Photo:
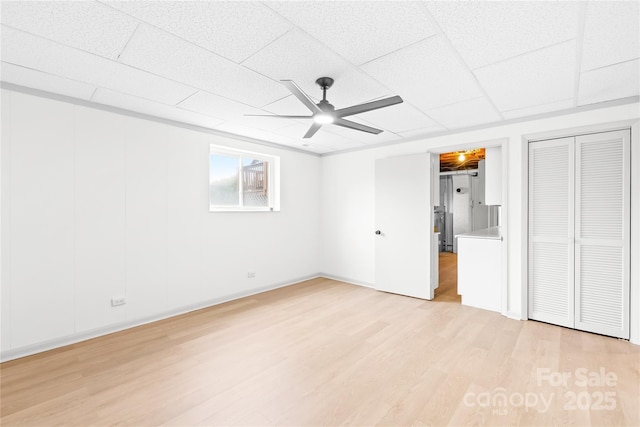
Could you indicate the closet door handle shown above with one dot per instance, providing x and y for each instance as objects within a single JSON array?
[{"x": 378, "y": 232}]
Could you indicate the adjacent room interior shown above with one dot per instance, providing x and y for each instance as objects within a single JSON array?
[{"x": 320, "y": 213}]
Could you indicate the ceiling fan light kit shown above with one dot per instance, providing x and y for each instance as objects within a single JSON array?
[
  {"x": 323, "y": 119},
  {"x": 325, "y": 113}
]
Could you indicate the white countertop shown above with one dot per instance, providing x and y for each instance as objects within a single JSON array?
[{"x": 486, "y": 233}]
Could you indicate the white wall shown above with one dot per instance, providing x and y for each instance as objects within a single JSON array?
[
  {"x": 348, "y": 217},
  {"x": 97, "y": 204}
]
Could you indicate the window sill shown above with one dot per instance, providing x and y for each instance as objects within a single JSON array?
[{"x": 236, "y": 209}]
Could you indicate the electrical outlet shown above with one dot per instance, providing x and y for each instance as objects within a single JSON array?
[
  {"x": 251, "y": 274},
  {"x": 118, "y": 301}
]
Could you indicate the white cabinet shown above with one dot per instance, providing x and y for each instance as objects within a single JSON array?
[
  {"x": 493, "y": 176},
  {"x": 480, "y": 268},
  {"x": 579, "y": 232}
]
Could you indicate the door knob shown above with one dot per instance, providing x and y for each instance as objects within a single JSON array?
[{"x": 378, "y": 232}]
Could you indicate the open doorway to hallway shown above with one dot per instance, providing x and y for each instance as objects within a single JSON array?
[{"x": 460, "y": 209}]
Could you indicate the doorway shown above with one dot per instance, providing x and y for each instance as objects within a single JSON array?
[
  {"x": 406, "y": 249},
  {"x": 461, "y": 210}
]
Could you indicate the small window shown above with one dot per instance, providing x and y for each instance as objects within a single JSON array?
[{"x": 243, "y": 181}]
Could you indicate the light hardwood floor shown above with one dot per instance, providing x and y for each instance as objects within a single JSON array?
[
  {"x": 447, "y": 278},
  {"x": 325, "y": 353}
]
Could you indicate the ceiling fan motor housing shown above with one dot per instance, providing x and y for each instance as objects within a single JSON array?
[
  {"x": 325, "y": 106},
  {"x": 325, "y": 82}
]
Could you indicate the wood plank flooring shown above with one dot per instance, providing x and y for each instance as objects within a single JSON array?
[
  {"x": 447, "y": 289},
  {"x": 328, "y": 353}
]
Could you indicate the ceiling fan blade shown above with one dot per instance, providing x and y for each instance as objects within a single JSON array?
[
  {"x": 368, "y": 106},
  {"x": 303, "y": 97},
  {"x": 312, "y": 130},
  {"x": 278, "y": 116},
  {"x": 357, "y": 126}
]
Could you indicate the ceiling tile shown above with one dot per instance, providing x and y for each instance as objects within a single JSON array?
[
  {"x": 29, "y": 51},
  {"x": 611, "y": 33},
  {"x": 232, "y": 29},
  {"x": 298, "y": 57},
  {"x": 86, "y": 25},
  {"x": 397, "y": 118},
  {"x": 539, "y": 77},
  {"x": 262, "y": 135},
  {"x": 453, "y": 63},
  {"x": 353, "y": 87},
  {"x": 421, "y": 132},
  {"x": 465, "y": 114},
  {"x": 338, "y": 143},
  {"x": 132, "y": 103},
  {"x": 487, "y": 32},
  {"x": 217, "y": 106},
  {"x": 161, "y": 53},
  {"x": 608, "y": 83},
  {"x": 323, "y": 137},
  {"x": 289, "y": 105},
  {"x": 298, "y": 145},
  {"x": 428, "y": 74},
  {"x": 363, "y": 138},
  {"x": 333, "y": 145},
  {"x": 231, "y": 111},
  {"x": 272, "y": 124},
  {"x": 539, "y": 109},
  {"x": 382, "y": 138},
  {"x": 43, "y": 81},
  {"x": 296, "y": 131},
  {"x": 317, "y": 149},
  {"x": 360, "y": 30}
]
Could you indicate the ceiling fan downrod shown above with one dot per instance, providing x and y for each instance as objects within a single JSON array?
[{"x": 324, "y": 83}]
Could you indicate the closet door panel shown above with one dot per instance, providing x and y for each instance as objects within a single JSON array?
[
  {"x": 551, "y": 225},
  {"x": 602, "y": 233},
  {"x": 551, "y": 293}
]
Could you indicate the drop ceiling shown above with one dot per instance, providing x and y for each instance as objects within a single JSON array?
[{"x": 455, "y": 64}]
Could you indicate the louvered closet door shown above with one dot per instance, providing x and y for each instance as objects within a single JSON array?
[
  {"x": 551, "y": 225},
  {"x": 602, "y": 233}
]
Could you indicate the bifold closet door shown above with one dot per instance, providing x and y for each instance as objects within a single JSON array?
[
  {"x": 551, "y": 228},
  {"x": 602, "y": 233},
  {"x": 579, "y": 232}
]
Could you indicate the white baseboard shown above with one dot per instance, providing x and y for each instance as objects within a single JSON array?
[
  {"x": 514, "y": 316},
  {"x": 347, "y": 280},
  {"x": 98, "y": 332}
]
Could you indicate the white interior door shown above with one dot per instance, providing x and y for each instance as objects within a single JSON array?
[
  {"x": 403, "y": 225},
  {"x": 602, "y": 233},
  {"x": 551, "y": 228}
]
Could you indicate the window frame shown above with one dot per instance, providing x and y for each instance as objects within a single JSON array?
[{"x": 273, "y": 179}]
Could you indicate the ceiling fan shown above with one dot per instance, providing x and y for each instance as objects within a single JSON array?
[{"x": 325, "y": 113}]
